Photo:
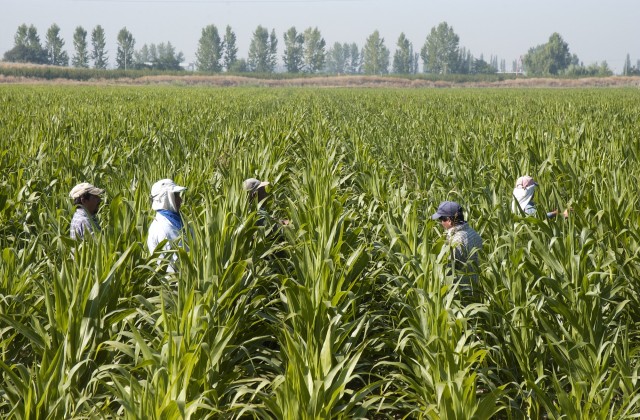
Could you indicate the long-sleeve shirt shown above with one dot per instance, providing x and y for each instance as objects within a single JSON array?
[
  {"x": 465, "y": 243},
  {"x": 82, "y": 222},
  {"x": 161, "y": 229}
]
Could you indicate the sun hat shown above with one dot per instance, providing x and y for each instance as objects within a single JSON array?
[
  {"x": 161, "y": 197},
  {"x": 448, "y": 209},
  {"x": 165, "y": 186},
  {"x": 525, "y": 181},
  {"x": 84, "y": 188},
  {"x": 253, "y": 184}
]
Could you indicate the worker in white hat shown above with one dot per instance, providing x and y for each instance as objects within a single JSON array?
[
  {"x": 87, "y": 199},
  {"x": 167, "y": 224}
]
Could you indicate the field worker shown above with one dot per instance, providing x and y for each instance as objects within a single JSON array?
[
  {"x": 463, "y": 240},
  {"x": 87, "y": 199},
  {"x": 167, "y": 224},
  {"x": 523, "y": 198},
  {"x": 258, "y": 195}
]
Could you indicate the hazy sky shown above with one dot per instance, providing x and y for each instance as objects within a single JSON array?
[{"x": 595, "y": 30}]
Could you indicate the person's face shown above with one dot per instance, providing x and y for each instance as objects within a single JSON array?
[
  {"x": 447, "y": 222},
  {"x": 91, "y": 203},
  {"x": 177, "y": 199}
]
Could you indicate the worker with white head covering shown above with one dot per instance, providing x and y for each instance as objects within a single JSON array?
[
  {"x": 167, "y": 224},
  {"x": 523, "y": 198},
  {"x": 523, "y": 195}
]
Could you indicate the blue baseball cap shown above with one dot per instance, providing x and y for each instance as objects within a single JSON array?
[{"x": 448, "y": 209}]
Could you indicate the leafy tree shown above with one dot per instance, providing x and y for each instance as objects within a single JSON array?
[
  {"x": 22, "y": 35},
  {"x": 262, "y": 51},
  {"x": 27, "y": 48},
  {"x": 375, "y": 56},
  {"x": 158, "y": 57},
  {"x": 403, "y": 57},
  {"x": 98, "y": 44},
  {"x": 230, "y": 49},
  {"x": 440, "y": 50},
  {"x": 338, "y": 58},
  {"x": 480, "y": 66},
  {"x": 465, "y": 61},
  {"x": 314, "y": 50},
  {"x": 80, "y": 45},
  {"x": 142, "y": 58},
  {"x": 53, "y": 45},
  {"x": 168, "y": 59},
  {"x": 355, "y": 59},
  {"x": 124, "y": 53},
  {"x": 548, "y": 59},
  {"x": 239, "y": 66},
  {"x": 209, "y": 54},
  {"x": 593, "y": 70},
  {"x": 293, "y": 50}
]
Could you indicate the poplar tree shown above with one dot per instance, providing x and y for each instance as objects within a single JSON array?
[
  {"x": 403, "y": 57},
  {"x": 293, "y": 50},
  {"x": 209, "y": 54},
  {"x": 98, "y": 52},
  {"x": 54, "y": 44},
  {"x": 124, "y": 53},
  {"x": 440, "y": 50},
  {"x": 375, "y": 56},
  {"x": 81, "y": 56},
  {"x": 27, "y": 47},
  {"x": 230, "y": 50},
  {"x": 262, "y": 51},
  {"x": 314, "y": 50}
]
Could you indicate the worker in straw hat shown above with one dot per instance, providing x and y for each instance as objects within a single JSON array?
[
  {"x": 167, "y": 223},
  {"x": 87, "y": 199}
]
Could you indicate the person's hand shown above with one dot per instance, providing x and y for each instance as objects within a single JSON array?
[
  {"x": 566, "y": 212},
  {"x": 285, "y": 222}
]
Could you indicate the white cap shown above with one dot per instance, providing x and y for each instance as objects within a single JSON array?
[
  {"x": 162, "y": 200},
  {"x": 252, "y": 184},
  {"x": 165, "y": 186}
]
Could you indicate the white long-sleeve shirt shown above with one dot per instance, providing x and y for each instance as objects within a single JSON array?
[{"x": 160, "y": 230}]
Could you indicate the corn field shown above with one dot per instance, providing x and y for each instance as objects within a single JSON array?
[{"x": 352, "y": 312}]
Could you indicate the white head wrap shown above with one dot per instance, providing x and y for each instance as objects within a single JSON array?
[
  {"x": 522, "y": 196},
  {"x": 523, "y": 193},
  {"x": 162, "y": 195}
]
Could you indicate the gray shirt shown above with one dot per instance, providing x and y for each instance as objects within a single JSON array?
[
  {"x": 465, "y": 243},
  {"x": 83, "y": 222}
]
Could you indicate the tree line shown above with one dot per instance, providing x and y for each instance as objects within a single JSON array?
[{"x": 303, "y": 52}]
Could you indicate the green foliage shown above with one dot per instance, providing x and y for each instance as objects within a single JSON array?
[
  {"x": 230, "y": 49},
  {"x": 98, "y": 44},
  {"x": 440, "y": 51},
  {"x": 375, "y": 55},
  {"x": 125, "y": 51},
  {"x": 550, "y": 58},
  {"x": 262, "y": 51},
  {"x": 403, "y": 57},
  {"x": 350, "y": 312},
  {"x": 53, "y": 45},
  {"x": 293, "y": 50},
  {"x": 209, "y": 54},
  {"x": 81, "y": 57},
  {"x": 27, "y": 48},
  {"x": 314, "y": 52}
]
